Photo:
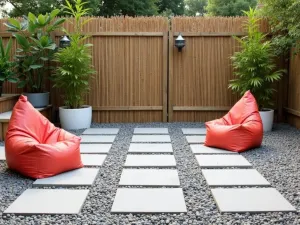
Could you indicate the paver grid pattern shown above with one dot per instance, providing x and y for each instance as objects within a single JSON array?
[
  {"x": 228, "y": 200},
  {"x": 234, "y": 200},
  {"x": 156, "y": 199},
  {"x": 66, "y": 201}
]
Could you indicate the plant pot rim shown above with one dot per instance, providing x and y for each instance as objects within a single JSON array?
[
  {"x": 83, "y": 107},
  {"x": 45, "y": 92},
  {"x": 266, "y": 110}
]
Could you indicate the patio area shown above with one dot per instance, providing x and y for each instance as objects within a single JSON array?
[{"x": 169, "y": 175}]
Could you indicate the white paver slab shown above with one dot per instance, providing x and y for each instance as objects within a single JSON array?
[
  {"x": 234, "y": 177},
  {"x": 202, "y": 149},
  {"x": 238, "y": 200},
  {"x": 149, "y": 177},
  {"x": 150, "y": 161},
  {"x": 48, "y": 201},
  {"x": 2, "y": 153},
  {"x": 151, "y": 138},
  {"x": 141, "y": 200},
  {"x": 151, "y": 131},
  {"x": 219, "y": 161},
  {"x": 83, "y": 176},
  {"x": 199, "y": 139},
  {"x": 92, "y": 159},
  {"x": 200, "y": 131},
  {"x": 150, "y": 148},
  {"x": 101, "y": 131},
  {"x": 97, "y": 139},
  {"x": 95, "y": 148}
]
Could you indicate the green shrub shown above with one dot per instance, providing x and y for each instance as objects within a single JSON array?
[
  {"x": 254, "y": 65},
  {"x": 74, "y": 69},
  {"x": 36, "y": 47},
  {"x": 7, "y": 67}
]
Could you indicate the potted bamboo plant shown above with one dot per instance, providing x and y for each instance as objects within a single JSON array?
[
  {"x": 7, "y": 67},
  {"x": 74, "y": 71},
  {"x": 35, "y": 50},
  {"x": 255, "y": 68}
]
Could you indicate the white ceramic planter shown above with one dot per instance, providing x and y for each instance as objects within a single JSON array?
[
  {"x": 74, "y": 119},
  {"x": 267, "y": 118}
]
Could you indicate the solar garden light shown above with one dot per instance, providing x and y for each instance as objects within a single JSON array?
[
  {"x": 64, "y": 42},
  {"x": 179, "y": 42}
]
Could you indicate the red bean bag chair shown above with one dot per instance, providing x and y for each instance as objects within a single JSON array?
[
  {"x": 35, "y": 148},
  {"x": 239, "y": 130}
]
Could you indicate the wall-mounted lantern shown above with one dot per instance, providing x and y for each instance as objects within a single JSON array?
[
  {"x": 64, "y": 42},
  {"x": 179, "y": 42}
]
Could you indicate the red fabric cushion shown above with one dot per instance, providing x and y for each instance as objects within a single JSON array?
[
  {"x": 239, "y": 130},
  {"x": 35, "y": 147}
]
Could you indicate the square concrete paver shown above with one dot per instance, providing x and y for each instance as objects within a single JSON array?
[
  {"x": 151, "y": 131},
  {"x": 48, "y": 201},
  {"x": 195, "y": 139},
  {"x": 238, "y": 200},
  {"x": 234, "y": 177},
  {"x": 151, "y": 138},
  {"x": 149, "y": 177},
  {"x": 95, "y": 148},
  {"x": 150, "y": 148},
  {"x": 2, "y": 153},
  {"x": 97, "y": 139},
  {"x": 202, "y": 149},
  {"x": 92, "y": 159},
  {"x": 101, "y": 131},
  {"x": 83, "y": 176},
  {"x": 188, "y": 131},
  {"x": 149, "y": 200},
  {"x": 219, "y": 161},
  {"x": 150, "y": 161}
]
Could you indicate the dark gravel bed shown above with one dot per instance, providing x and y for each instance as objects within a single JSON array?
[{"x": 278, "y": 160}]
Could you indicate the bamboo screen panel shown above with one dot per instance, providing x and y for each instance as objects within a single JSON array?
[{"x": 200, "y": 74}]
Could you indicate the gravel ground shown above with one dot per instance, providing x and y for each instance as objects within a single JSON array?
[{"x": 278, "y": 160}]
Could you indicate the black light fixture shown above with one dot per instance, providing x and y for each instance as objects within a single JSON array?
[
  {"x": 179, "y": 42},
  {"x": 64, "y": 42}
]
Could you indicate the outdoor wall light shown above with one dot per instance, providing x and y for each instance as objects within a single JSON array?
[
  {"x": 179, "y": 42},
  {"x": 64, "y": 42}
]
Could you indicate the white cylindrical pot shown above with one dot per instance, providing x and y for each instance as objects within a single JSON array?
[
  {"x": 267, "y": 117},
  {"x": 74, "y": 119}
]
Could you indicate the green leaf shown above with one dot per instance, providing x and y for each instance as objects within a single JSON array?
[
  {"x": 12, "y": 80},
  {"x": 54, "y": 13},
  {"x": 44, "y": 58},
  {"x": 51, "y": 46},
  {"x": 41, "y": 19},
  {"x": 14, "y": 23},
  {"x": 31, "y": 17},
  {"x": 2, "y": 48},
  {"x": 8, "y": 47},
  {"x": 22, "y": 84},
  {"x": 22, "y": 41},
  {"x": 36, "y": 66}
]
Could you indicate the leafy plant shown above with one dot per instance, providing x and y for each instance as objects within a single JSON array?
[
  {"x": 36, "y": 47},
  {"x": 284, "y": 18},
  {"x": 254, "y": 64},
  {"x": 6, "y": 66},
  {"x": 228, "y": 7},
  {"x": 74, "y": 70}
]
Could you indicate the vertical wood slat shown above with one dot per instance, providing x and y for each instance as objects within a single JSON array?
[
  {"x": 170, "y": 91},
  {"x": 165, "y": 77},
  {"x": 293, "y": 106}
]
